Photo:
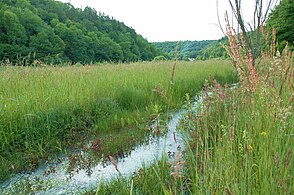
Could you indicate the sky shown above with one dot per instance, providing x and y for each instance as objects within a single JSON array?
[{"x": 168, "y": 20}]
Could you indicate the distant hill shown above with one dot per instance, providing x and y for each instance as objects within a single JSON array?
[
  {"x": 214, "y": 50},
  {"x": 190, "y": 50},
  {"x": 56, "y": 32},
  {"x": 186, "y": 49}
]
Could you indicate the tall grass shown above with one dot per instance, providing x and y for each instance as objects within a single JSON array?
[
  {"x": 244, "y": 143},
  {"x": 46, "y": 110},
  {"x": 240, "y": 141}
]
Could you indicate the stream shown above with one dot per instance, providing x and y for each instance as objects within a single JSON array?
[{"x": 59, "y": 181}]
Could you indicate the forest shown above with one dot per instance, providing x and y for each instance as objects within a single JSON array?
[
  {"x": 186, "y": 49},
  {"x": 56, "y": 32}
]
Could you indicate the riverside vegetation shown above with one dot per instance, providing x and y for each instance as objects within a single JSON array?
[
  {"x": 47, "y": 110},
  {"x": 240, "y": 141}
]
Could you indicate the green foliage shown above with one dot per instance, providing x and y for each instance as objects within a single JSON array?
[
  {"x": 282, "y": 19},
  {"x": 47, "y": 43},
  {"x": 199, "y": 50},
  {"x": 214, "y": 50},
  {"x": 56, "y": 32},
  {"x": 186, "y": 49},
  {"x": 159, "y": 58},
  {"x": 13, "y": 31}
]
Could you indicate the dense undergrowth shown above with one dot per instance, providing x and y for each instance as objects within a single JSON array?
[{"x": 48, "y": 110}]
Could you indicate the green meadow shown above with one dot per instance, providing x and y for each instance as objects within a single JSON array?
[
  {"x": 49, "y": 110},
  {"x": 239, "y": 142},
  {"x": 78, "y": 88}
]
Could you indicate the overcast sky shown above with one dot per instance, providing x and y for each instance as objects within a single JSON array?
[{"x": 167, "y": 20}]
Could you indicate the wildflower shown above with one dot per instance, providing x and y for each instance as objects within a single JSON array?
[{"x": 263, "y": 133}]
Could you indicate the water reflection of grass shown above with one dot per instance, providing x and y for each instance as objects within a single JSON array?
[{"x": 46, "y": 110}]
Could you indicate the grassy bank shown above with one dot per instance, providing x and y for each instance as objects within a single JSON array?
[
  {"x": 46, "y": 110},
  {"x": 241, "y": 141}
]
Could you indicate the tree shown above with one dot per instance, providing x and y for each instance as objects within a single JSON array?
[
  {"x": 250, "y": 34},
  {"x": 107, "y": 50},
  {"x": 55, "y": 30},
  {"x": 47, "y": 44},
  {"x": 282, "y": 19},
  {"x": 75, "y": 42},
  {"x": 33, "y": 23},
  {"x": 187, "y": 49},
  {"x": 12, "y": 32},
  {"x": 12, "y": 35},
  {"x": 22, "y": 3},
  {"x": 126, "y": 51},
  {"x": 90, "y": 14}
]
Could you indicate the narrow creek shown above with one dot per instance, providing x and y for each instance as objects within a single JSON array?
[{"x": 59, "y": 181}]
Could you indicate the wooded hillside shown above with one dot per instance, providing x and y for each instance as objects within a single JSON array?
[
  {"x": 186, "y": 49},
  {"x": 56, "y": 32}
]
